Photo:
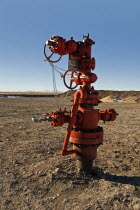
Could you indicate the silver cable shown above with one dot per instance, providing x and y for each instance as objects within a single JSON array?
[{"x": 57, "y": 103}]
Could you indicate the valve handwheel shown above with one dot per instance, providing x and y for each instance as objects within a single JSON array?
[
  {"x": 48, "y": 57},
  {"x": 71, "y": 81}
]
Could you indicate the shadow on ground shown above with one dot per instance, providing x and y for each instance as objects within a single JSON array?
[
  {"x": 132, "y": 180},
  {"x": 97, "y": 174}
]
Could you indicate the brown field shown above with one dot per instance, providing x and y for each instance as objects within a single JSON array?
[
  {"x": 34, "y": 176},
  {"x": 26, "y": 93}
]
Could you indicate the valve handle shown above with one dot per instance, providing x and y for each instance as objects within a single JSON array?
[
  {"x": 48, "y": 57},
  {"x": 71, "y": 81}
]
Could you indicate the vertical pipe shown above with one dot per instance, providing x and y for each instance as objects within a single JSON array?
[{"x": 72, "y": 121}]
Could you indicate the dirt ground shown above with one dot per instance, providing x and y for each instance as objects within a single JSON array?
[{"x": 34, "y": 176}]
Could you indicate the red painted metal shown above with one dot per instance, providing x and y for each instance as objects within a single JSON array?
[{"x": 83, "y": 130}]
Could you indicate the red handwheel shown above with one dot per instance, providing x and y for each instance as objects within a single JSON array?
[
  {"x": 71, "y": 81},
  {"x": 48, "y": 57}
]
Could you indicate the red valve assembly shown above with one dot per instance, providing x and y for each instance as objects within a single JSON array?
[{"x": 83, "y": 131}]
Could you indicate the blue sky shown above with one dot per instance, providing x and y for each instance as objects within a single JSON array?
[{"x": 25, "y": 25}]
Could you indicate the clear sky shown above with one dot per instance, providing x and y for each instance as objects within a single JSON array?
[{"x": 25, "y": 25}]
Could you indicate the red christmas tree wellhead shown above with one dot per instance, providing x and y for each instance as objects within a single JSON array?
[{"x": 83, "y": 131}]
